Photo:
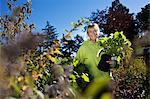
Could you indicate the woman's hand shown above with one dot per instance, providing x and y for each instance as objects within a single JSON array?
[{"x": 112, "y": 63}]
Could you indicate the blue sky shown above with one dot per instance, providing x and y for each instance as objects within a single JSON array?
[{"x": 60, "y": 13}]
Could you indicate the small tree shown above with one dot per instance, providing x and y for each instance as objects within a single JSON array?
[
  {"x": 39, "y": 63},
  {"x": 51, "y": 35},
  {"x": 119, "y": 19},
  {"x": 14, "y": 22},
  {"x": 71, "y": 46},
  {"x": 143, "y": 18},
  {"x": 116, "y": 18}
]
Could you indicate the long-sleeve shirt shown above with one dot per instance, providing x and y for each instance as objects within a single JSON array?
[{"x": 87, "y": 54}]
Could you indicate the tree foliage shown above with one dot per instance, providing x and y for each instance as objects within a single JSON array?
[
  {"x": 130, "y": 80},
  {"x": 39, "y": 65},
  {"x": 70, "y": 46},
  {"x": 15, "y": 22},
  {"x": 99, "y": 17},
  {"x": 143, "y": 18},
  {"x": 40, "y": 61},
  {"x": 50, "y": 32},
  {"x": 116, "y": 18}
]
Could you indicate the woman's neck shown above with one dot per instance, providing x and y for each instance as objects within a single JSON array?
[{"x": 93, "y": 41}]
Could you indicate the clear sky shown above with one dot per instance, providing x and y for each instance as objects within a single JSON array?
[{"x": 60, "y": 13}]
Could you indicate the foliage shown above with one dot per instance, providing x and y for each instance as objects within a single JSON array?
[
  {"x": 31, "y": 71},
  {"x": 76, "y": 25},
  {"x": 51, "y": 36},
  {"x": 116, "y": 18},
  {"x": 130, "y": 81},
  {"x": 80, "y": 77},
  {"x": 17, "y": 33},
  {"x": 130, "y": 77},
  {"x": 115, "y": 44},
  {"x": 13, "y": 64},
  {"x": 39, "y": 61},
  {"x": 70, "y": 46},
  {"x": 143, "y": 18},
  {"x": 38, "y": 65},
  {"x": 26, "y": 78},
  {"x": 15, "y": 22},
  {"x": 99, "y": 17}
]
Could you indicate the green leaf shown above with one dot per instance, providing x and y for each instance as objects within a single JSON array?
[
  {"x": 118, "y": 59},
  {"x": 75, "y": 62},
  {"x": 72, "y": 23},
  {"x": 73, "y": 77},
  {"x": 85, "y": 77}
]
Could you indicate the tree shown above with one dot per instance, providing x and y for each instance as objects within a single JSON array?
[
  {"x": 39, "y": 63},
  {"x": 78, "y": 40},
  {"x": 143, "y": 18},
  {"x": 14, "y": 23},
  {"x": 116, "y": 18},
  {"x": 119, "y": 19},
  {"x": 143, "y": 43},
  {"x": 99, "y": 17},
  {"x": 20, "y": 40},
  {"x": 70, "y": 46},
  {"x": 50, "y": 33}
]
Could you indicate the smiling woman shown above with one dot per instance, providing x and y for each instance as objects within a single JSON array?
[
  {"x": 87, "y": 53},
  {"x": 28, "y": 68}
]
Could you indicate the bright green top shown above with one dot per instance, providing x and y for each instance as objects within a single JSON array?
[{"x": 87, "y": 54}]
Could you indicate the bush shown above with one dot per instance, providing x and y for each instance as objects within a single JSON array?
[{"x": 130, "y": 81}]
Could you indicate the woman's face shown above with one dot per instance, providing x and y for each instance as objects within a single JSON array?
[{"x": 92, "y": 34}]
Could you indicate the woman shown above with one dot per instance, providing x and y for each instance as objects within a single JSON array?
[{"x": 87, "y": 53}]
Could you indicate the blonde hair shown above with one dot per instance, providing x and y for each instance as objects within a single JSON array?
[{"x": 96, "y": 27}]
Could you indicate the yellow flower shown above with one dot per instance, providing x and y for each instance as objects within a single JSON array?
[
  {"x": 35, "y": 75},
  {"x": 24, "y": 87},
  {"x": 68, "y": 35},
  {"x": 51, "y": 58},
  {"x": 65, "y": 43},
  {"x": 57, "y": 51},
  {"x": 20, "y": 79}
]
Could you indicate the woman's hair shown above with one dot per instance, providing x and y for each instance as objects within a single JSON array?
[{"x": 90, "y": 26}]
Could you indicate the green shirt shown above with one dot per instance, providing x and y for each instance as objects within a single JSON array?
[{"x": 87, "y": 54}]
